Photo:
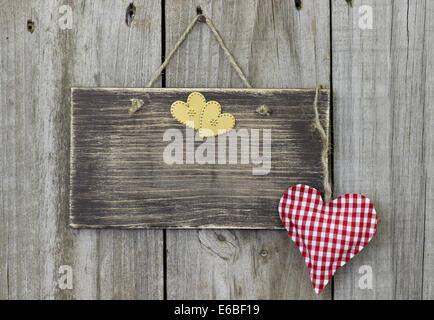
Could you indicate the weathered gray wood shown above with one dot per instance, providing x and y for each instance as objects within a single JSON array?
[
  {"x": 428, "y": 65},
  {"x": 383, "y": 117},
  {"x": 120, "y": 178},
  {"x": 382, "y": 122},
  {"x": 277, "y": 46},
  {"x": 37, "y": 71}
]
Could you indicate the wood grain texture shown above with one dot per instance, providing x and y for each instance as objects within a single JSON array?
[
  {"x": 37, "y": 71},
  {"x": 121, "y": 178},
  {"x": 277, "y": 46},
  {"x": 382, "y": 127},
  {"x": 428, "y": 66}
]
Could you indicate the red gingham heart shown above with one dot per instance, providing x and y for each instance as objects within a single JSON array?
[{"x": 328, "y": 235}]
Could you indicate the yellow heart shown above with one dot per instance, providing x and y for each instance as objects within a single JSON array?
[
  {"x": 213, "y": 122},
  {"x": 189, "y": 113}
]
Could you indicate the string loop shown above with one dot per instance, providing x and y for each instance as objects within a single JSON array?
[{"x": 200, "y": 18}]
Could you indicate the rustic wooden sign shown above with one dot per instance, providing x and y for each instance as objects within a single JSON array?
[{"x": 144, "y": 170}]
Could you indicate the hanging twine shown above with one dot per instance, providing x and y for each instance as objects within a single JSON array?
[
  {"x": 325, "y": 147},
  {"x": 200, "y": 18}
]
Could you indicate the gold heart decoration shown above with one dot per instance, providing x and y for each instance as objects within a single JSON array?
[
  {"x": 204, "y": 116},
  {"x": 189, "y": 113},
  {"x": 213, "y": 122}
]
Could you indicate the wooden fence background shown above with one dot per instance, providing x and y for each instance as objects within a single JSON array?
[{"x": 383, "y": 117}]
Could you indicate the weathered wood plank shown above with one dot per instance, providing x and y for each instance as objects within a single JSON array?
[
  {"x": 428, "y": 269},
  {"x": 123, "y": 176},
  {"x": 37, "y": 71},
  {"x": 277, "y": 46},
  {"x": 379, "y": 110}
]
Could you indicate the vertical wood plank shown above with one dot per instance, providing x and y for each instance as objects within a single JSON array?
[
  {"x": 37, "y": 71},
  {"x": 379, "y": 85},
  {"x": 428, "y": 269},
  {"x": 277, "y": 46}
]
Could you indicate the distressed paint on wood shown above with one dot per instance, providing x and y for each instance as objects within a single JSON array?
[
  {"x": 278, "y": 47},
  {"x": 120, "y": 178},
  {"x": 382, "y": 121},
  {"x": 37, "y": 71}
]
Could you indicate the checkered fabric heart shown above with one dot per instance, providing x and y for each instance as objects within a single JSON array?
[{"x": 328, "y": 235}]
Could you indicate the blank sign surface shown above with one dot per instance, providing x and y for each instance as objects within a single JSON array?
[{"x": 146, "y": 170}]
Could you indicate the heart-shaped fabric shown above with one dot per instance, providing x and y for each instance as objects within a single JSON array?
[
  {"x": 328, "y": 235},
  {"x": 213, "y": 122},
  {"x": 189, "y": 113}
]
